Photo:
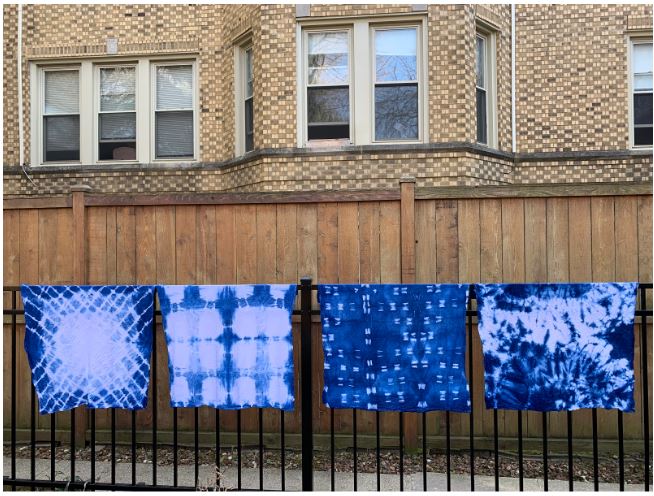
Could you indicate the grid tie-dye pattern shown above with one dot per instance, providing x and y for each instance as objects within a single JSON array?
[
  {"x": 229, "y": 347},
  {"x": 551, "y": 347},
  {"x": 394, "y": 347},
  {"x": 89, "y": 345}
]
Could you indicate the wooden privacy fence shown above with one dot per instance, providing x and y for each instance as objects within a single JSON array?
[{"x": 487, "y": 234}]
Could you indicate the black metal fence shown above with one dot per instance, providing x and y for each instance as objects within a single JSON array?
[{"x": 307, "y": 467}]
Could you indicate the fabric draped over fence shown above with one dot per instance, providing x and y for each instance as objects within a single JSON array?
[
  {"x": 229, "y": 347},
  {"x": 89, "y": 345},
  {"x": 558, "y": 346},
  {"x": 394, "y": 347}
]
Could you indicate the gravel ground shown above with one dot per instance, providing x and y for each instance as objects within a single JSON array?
[{"x": 366, "y": 461}]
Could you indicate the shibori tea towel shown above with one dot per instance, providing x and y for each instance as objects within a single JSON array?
[
  {"x": 89, "y": 345},
  {"x": 558, "y": 346},
  {"x": 229, "y": 347},
  {"x": 395, "y": 347}
]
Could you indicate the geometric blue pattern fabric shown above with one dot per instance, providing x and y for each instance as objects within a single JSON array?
[
  {"x": 89, "y": 345},
  {"x": 394, "y": 347},
  {"x": 229, "y": 347},
  {"x": 550, "y": 347}
]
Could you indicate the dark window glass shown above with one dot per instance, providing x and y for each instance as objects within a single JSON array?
[
  {"x": 643, "y": 108},
  {"x": 249, "y": 124},
  {"x": 396, "y": 112},
  {"x": 328, "y": 112},
  {"x": 643, "y": 135},
  {"x": 61, "y": 138},
  {"x": 174, "y": 134},
  {"x": 482, "y": 126}
]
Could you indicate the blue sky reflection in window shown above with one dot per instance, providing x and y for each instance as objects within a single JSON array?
[
  {"x": 229, "y": 347},
  {"x": 89, "y": 345},
  {"x": 558, "y": 346},
  {"x": 394, "y": 347}
]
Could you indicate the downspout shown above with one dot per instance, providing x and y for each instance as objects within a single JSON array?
[
  {"x": 513, "y": 123},
  {"x": 19, "y": 52}
]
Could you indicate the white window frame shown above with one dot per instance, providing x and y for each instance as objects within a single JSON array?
[
  {"x": 153, "y": 109},
  {"x": 490, "y": 63},
  {"x": 362, "y": 72},
  {"x": 240, "y": 68},
  {"x": 634, "y": 40},
  {"x": 89, "y": 88},
  {"x": 97, "y": 112}
]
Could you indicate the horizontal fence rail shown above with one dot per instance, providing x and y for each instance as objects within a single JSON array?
[{"x": 407, "y": 428}]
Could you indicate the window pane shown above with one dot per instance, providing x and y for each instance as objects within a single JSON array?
[
  {"x": 642, "y": 58},
  {"x": 482, "y": 120},
  {"x": 249, "y": 78},
  {"x": 174, "y": 134},
  {"x": 117, "y": 88},
  {"x": 61, "y": 92},
  {"x": 117, "y": 150},
  {"x": 328, "y": 105},
  {"x": 61, "y": 137},
  {"x": 174, "y": 87},
  {"x": 328, "y": 58},
  {"x": 481, "y": 58},
  {"x": 643, "y": 136},
  {"x": 396, "y": 112},
  {"x": 118, "y": 126},
  {"x": 395, "y": 54},
  {"x": 328, "y": 131},
  {"x": 643, "y": 108},
  {"x": 643, "y": 82},
  {"x": 249, "y": 124}
]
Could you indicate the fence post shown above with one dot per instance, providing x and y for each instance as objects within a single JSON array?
[
  {"x": 78, "y": 192},
  {"x": 306, "y": 382},
  {"x": 408, "y": 273}
]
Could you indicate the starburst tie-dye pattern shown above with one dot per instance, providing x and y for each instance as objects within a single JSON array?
[
  {"x": 89, "y": 345},
  {"x": 394, "y": 347},
  {"x": 229, "y": 347},
  {"x": 558, "y": 346}
]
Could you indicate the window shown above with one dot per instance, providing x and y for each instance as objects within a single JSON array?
[
  {"x": 362, "y": 81},
  {"x": 61, "y": 129},
  {"x": 328, "y": 85},
  {"x": 641, "y": 83},
  {"x": 396, "y": 84},
  {"x": 173, "y": 112},
  {"x": 244, "y": 121},
  {"x": 117, "y": 113},
  {"x": 485, "y": 88},
  {"x": 116, "y": 109}
]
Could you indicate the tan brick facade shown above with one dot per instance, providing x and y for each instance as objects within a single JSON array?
[{"x": 571, "y": 96}]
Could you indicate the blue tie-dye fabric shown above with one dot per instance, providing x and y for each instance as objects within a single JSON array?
[
  {"x": 89, "y": 345},
  {"x": 558, "y": 346},
  {"x": 394, "y": 347},
  {"x": 229, "y": 347}
]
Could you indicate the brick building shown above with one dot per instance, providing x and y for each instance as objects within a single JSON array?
[{"x": 250, "y": 98}]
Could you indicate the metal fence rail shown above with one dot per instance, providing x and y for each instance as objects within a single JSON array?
[{"x": 305, "y": 312}]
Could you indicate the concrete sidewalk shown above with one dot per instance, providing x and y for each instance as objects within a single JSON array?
[{"x": 272, "y": 478}]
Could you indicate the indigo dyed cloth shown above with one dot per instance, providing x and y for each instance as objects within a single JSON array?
[
  {"x": 229, "y": 347},
  {"x": 89, "y": 345},
  {"x": 394, "y": 347},
  {"x": 558, "y": 346}
]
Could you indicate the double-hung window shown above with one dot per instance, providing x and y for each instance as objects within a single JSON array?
[
  {"x": 328, "y": 85},
  {"x": 117, "y": 113},
  {"x": 396, "y": 84},
  {"x": 641, "y": 99},
  {"x": 173, "y": 111},
  {"x": 114, "y": 110},
  {"x": 60, "y": 131},
  {"x": 362, "y": 81},
  {"x": 244, "y": 70},
  {"x": 485, "y": 88}
]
